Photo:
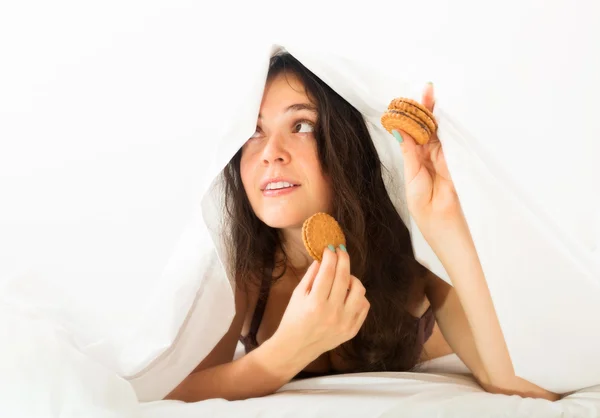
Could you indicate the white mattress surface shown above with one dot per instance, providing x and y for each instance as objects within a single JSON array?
[{"x": 443, "y": 389}]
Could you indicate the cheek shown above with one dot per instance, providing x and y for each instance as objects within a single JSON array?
[
  {"x": 327, "y": 192},
  {"x": 321, "y": 182}
]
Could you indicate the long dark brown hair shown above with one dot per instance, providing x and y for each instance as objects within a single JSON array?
[{"x": 377, "y": 239}]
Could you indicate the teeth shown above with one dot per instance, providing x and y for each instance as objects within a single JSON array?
[{"x": 278, "y": 185}]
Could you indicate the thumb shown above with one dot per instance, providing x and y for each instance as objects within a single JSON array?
[
  {"x": 412, "y": 164},
  {"x": 306, "y": 283}
]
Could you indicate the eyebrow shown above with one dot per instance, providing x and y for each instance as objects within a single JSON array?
[{"x": 296, "y": 107}]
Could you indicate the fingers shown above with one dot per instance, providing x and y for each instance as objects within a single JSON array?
[
  {"x": 341, "y": 283},
  {"x": 360, "y": 317},
  {"x": 428, "y": 99},
  {"x": 307, "y": 281},
  {"x": 409, "y": 147},
  {"x": 357, "y": 306},
  {"x": 412, "y": 163},
  {"x": 355, "y": 297},
  {"x": 325, "y": 276}
]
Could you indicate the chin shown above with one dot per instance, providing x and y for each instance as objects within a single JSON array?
[{"x": 283, "y": 220}]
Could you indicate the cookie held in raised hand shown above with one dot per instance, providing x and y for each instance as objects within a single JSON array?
[
  {"x": 319, "y": 231},
  {"x": 411, "y": 117}
]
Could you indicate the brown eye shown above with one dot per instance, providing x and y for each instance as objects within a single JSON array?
[{"x": 304, "y": 127}]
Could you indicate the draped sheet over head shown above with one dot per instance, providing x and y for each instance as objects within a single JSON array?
[
  {"x": 544, "y": 278},
  {"x": 531, "y": 264}
]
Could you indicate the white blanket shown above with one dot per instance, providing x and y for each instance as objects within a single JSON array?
[
  {"x": 532, "y": 263},
  {"x": 519, "y": 130},
  {"x": 58, "y": 381},
  {"x": 438, "y": 394}
]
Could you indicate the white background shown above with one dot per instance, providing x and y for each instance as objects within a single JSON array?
[{"x": 109, "y": 112}]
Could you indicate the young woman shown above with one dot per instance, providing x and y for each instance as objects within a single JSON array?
[{"x": 367, "y": 307}]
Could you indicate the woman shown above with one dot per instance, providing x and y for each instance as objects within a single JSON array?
[{"x": 367, "y": 307}]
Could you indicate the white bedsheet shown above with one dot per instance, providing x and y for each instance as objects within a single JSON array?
[
  {"x": 60, "y": 381},
  {"x": 442, "y": 390}
]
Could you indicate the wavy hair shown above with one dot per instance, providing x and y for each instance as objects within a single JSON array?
[{"x": 377, "y": 240}]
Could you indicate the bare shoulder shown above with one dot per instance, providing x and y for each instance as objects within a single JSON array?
[
  {"x": 426, "y": 290},
  {"x": 436, "y": 288},
  {"x": 417, "y": 301}
]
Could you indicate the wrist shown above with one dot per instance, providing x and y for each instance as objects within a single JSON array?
[
  {"x": 285, "y": 359},
  {"x": 453, "y": 245},
  {"x": 449, "y": 230}
]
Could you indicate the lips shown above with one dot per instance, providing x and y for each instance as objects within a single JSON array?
[
  {"x": 277, "y": 183},
  {"x": 279, "y": 192}
]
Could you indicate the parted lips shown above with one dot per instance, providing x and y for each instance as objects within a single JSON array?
[
  {"x": 319, "y": 231},
  {"x": 411, "y": 117}
]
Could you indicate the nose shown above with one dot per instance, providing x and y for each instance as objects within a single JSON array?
[{"x": 275, "y": 150}]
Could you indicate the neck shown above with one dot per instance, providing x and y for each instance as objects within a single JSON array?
[{"x": 297, "y": 256}]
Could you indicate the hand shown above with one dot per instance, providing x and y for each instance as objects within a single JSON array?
[
  {"x": 430, "y": 192},
  {"x": 326, "y": 309}
]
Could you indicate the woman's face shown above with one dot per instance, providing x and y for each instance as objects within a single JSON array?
[{"x": 280, "y": 167}]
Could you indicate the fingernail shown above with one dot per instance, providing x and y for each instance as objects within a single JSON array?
[
  {"x": 343, "y": 248},
  {"x": 397, "y": 136},
  {"x": 331, "y": 247}
]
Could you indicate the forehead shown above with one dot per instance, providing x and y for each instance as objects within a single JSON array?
[{"x": 283, "y": 90}]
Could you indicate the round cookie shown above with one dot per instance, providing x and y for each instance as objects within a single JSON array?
[
  {"x": 411, "y": 117},
  {"x": 319, "y": 231}
]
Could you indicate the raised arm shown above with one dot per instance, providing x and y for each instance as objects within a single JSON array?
[
  {"x": 466, "y": 316},
  {"x": 465, "y": 312}
]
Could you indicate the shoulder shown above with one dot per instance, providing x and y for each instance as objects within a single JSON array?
[
  {"x": 436, "y": 288},
  {"x": 426, "y": 289},
  {"x": 433, "y": 280},
  {"x": 417, "y": 300}
]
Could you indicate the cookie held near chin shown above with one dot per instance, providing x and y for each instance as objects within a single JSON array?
[{"x": 319, "y": 232}]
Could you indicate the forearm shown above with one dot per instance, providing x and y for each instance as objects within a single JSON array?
[
  {"x": 457, "y": 331},
  {"x": 484, "y": 351},
  {"x": 259, "y": 373},
  {"x": 454, "y": 325},
  {"x": 453, "y": 245}
]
